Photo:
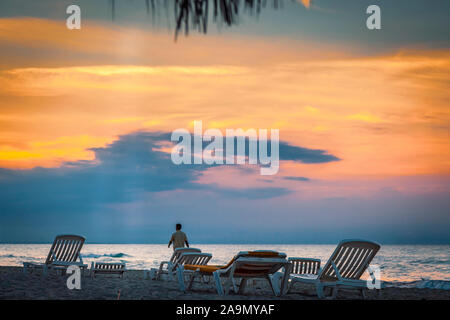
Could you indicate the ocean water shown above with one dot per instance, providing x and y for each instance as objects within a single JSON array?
[{"x": 400, "y": 265}]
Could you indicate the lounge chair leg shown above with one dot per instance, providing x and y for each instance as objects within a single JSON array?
[
  {"x": 289, "y": 286},
  {"x": 276, "y": 278},
  {"x": 91, "y": 270},
  {"x": 229, "y": 281},
  {"x": 226, "y": 286},
  {"x": 233, "y": 282},
  {"x": 45, "y": 270},
  {"x": 319, "y": 289},
  {"x": 158, "y": 274},
  {"x": 242, "y": 286},
  {"x": 285, "y": 280},
  {"x": 363, "y": 293},
  {"x": 191, "y": 282},
  {"x": 273, "y": 285},
  {"x": 334, "y": 292},
  {"x": 380, "y": 296},
  {"x": 25, "y": 266},
  {"x": 181, "y": 279},
  {"x": 219, "y": 287}
]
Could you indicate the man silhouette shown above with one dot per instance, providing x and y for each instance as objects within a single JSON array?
[{"x": 178, "y": 238}]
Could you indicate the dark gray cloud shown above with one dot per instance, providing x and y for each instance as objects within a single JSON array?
[
  {"x": 289, "y": 152},
  {"x": 297, "y": 178},
  {"x": 121, "y": 170},
  {"x": 255, "y": 193}
]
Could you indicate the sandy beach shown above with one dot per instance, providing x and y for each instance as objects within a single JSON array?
[{"x": 14, "y": 284}]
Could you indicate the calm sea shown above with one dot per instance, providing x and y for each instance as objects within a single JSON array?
[{"x": 401, "y": 265}]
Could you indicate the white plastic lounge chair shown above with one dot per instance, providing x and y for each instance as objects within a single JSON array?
[
  {"x": 191, "y": 258},
  {"x": 347, "y": 264},
  {"x": 65, "y": 251},
  {"x": 108, "y": 268},
  {"x": 305, "y": 265},
  {"x": 170, "y": 269},
  {"x": 300, "y": 266},
  {"x": 245, "y": 265}
]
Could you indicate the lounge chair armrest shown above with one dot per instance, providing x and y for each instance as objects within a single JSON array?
[
  {"x": 292, "y": 259},
  {"x": 66, "y": 264},
  {"x": 305, "y": 265},
  {"x": 336, "y": 270}
]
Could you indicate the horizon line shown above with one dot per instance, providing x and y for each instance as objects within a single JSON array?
[{"x": 221, "y": 243}]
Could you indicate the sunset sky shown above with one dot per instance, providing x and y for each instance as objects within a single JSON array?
[{"x": 364, "y": 120}]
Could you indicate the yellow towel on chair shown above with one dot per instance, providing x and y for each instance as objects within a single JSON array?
[{"x": 209, "y": 269}]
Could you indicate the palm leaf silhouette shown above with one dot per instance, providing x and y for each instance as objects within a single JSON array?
[{"x": 193, "y": 14}]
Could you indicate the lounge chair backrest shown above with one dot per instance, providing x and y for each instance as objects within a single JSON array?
[
  {"x": 351, "y": 258},
  {"x": 179, "y": 251},
  {"x": 194, "y": 258},
  {"x": 305, "y": 265},
  {"x": 65, "y": 248},
  {"x": 108, "y": 267}
]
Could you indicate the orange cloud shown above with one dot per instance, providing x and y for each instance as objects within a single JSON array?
[
  {"x": 51, "y": 153},
  {"x": 383, "y": 116}
]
